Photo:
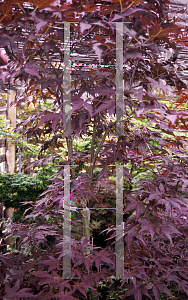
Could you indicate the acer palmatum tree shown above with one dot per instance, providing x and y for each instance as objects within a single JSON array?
[{"x": 152, "y": 147}]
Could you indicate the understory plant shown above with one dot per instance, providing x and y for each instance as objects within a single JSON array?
[{"x": 151, "y": 147}]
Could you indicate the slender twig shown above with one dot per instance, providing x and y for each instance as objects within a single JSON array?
[
  {"x": 101, "y": 143},
  {"x": 92, "y": 148},
  {"x": 55, "y": 94},
  {"x": 97, "y": 151}
]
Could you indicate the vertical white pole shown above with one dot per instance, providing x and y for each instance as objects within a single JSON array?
[
  {"x": 119, "y": 80},
  {"x": 119, "y": 243},
  {"x": 67, "y": 226},
  {"x": 67, "y": 132}
]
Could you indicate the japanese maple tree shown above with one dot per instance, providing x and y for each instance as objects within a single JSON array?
[{"x": 152, "y": 148}]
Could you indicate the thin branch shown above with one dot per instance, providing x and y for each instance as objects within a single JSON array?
[
  {"x": 97, "y": 152},
  {"x": 92, "y": 148},
  {"x": 54, "y": 93}
]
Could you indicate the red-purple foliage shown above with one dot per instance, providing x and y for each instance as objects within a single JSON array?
[{"x": 155, "y": 158}]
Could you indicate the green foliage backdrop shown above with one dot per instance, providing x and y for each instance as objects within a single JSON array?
[{"x": 18, "y": 188}]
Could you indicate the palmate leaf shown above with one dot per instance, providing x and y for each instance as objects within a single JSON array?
[
  {"x": 6, "y": 9},
  {"x": 171, "y": 202},
  {"x": 32, "y": 71},
  {"x": 137, "y": 292},
  {"x": 52, "y": 263},
  {"x": 15, "y": 292},
  {"x": 126, "y": 13},
  {"x": 165, "y": 290},
  {"x": 129, "y": 292},
  {"x": 84, "y": 26},
  {"x": 43, "y": 3},
  {"x": 156, "y": 291},
  {"x": 99, "y": 276},
  {"x": 65, "y": 296},
  {"x": 54, "y": 117},
  {"x": 102, "y": 256},
  {"x": 80, "y": 286},
  {"x": 164, "y": 32},
  {"x": 169, "y": 231},
  {"x": 147, "y": 227}
]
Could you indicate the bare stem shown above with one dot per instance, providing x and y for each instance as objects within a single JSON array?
[
  {"x": 92, "y": 149},
  {"x": 86, "y": 231},
  {"x": 92, "y": 166}
]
